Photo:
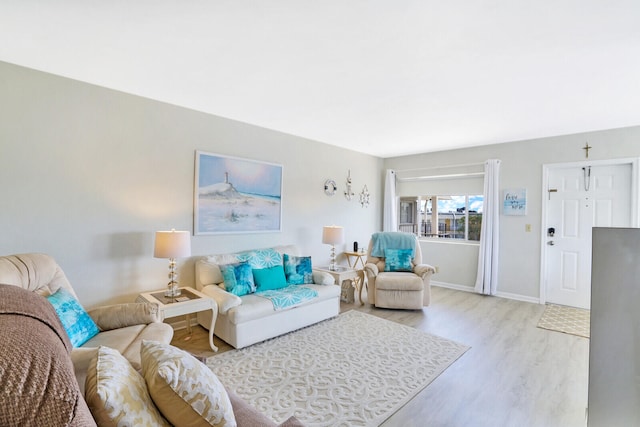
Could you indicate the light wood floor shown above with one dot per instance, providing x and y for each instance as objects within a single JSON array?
[{"x": 514, "y": 374}]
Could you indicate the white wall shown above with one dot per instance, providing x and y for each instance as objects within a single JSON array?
[
  {"x": 89, "y": 174},
  {"x": 521, "y": 167}
]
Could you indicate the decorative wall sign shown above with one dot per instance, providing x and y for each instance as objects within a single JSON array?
[
  {"x": 234, "y": 195},
  {"x": 348, "y": 193},
  {"x": 515, "y": 201},
  {"x": 364, "y": 197}
]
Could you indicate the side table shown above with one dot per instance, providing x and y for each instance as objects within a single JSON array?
[
  {"x": 358, "y": 258},
  {"x": 189, "y": 301},
  {"x": 345, "y": 278}
]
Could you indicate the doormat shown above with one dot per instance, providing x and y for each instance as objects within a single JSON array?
[{"x": 569, "y": 320}]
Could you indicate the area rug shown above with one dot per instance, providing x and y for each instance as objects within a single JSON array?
[
  {"x": 570, "y": 320},
  {"x": 353, "y": 370}
]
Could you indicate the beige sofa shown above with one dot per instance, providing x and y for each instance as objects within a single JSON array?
[
  {"x": 122, "y": 326},
  {"x": 44, "y": 377},
  {"x": 249, "y": 319}
]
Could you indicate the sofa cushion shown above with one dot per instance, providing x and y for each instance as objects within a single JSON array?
[
  {"x": 117, "y": 394},
  {"x": 79, "y": 326},
  {"x": 398, "y": 260},
  {"x": 238, "y": 278},
  {"x": 128, "y": 340},
  {"x": 399, "y": 281},
  {"x": 184, "y": 389},
  {"x": 254, "y": 307},
  {"x": 297, "y": 269},
  {"x": 269, "y": 278}
]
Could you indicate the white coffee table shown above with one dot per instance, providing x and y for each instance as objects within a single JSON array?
[{"x": 189, "y": 301}]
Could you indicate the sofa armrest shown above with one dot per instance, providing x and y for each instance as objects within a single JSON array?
[
  {"x": 422, "y": 269},
  {"x": 224, "y": 299},
  {"x": 323, "y": 278},
  {"x": 118, "y": 316},
  {"x": 371, "y": 269}
]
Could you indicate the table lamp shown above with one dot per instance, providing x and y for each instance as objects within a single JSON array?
[
  {"x": 172, "y": 244},
  {"x": 332, "y": 235}
]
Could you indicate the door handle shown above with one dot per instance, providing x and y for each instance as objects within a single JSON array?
[{"x": 550, "y": 243}]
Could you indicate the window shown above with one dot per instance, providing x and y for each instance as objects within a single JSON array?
[{"x": 442, "y": 217}]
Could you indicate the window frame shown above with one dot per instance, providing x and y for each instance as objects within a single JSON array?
[{"x": 421, "y": 217}]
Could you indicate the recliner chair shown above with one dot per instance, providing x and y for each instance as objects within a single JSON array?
[{"x": 409, "y": 289}]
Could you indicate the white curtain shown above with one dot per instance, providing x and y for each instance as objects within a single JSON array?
[
  {"x": 390, "y": 212},
  {"x": 487, "y": 278}
]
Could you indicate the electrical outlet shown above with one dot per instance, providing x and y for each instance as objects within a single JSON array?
[{"x": 527, "y": 228}]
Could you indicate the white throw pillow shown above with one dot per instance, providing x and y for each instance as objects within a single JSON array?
[
  {"x": 117, "y": 394},
  {"x": 183, "y": 388}
]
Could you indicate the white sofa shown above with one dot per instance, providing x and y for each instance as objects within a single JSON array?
[{"x": 249, "y": 319}]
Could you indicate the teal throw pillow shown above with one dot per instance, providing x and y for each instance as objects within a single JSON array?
[
  {"x": 398, "y": 260},
  {"x": 267, "y": 279},
  {"x": 297, "y": 269},
  {"x": 238, "y": 278},
  {"x": 79, "y": 326}
]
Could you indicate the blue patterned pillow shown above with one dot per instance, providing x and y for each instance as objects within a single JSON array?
[
  {"x": 398, "y": 260},
  {"x": 297, "y": 269},
  {"x": 79, "y": 326},
  {"x": 267, "y": 279},
  {"x": 238, "y": 278}
]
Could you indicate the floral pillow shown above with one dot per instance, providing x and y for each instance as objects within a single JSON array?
[
  {"x": 117, "y": 394},
  {"x": 398, "y": 260},
  {"x": 238, "y": 278},
  {"x": 297, "y": 269}
]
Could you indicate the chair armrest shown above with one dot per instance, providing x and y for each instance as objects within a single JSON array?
[
  {"x": 118, "y": 316},
  {"x": 323, "y": 278},
  {"x": 422, "y": 269},
  {"x": 371, "y": 269},
  {"x": 224, "y": 299}
]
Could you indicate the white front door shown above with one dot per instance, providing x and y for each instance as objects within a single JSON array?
[{"x": 579, "y": 198}]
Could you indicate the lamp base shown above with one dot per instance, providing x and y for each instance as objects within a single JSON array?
[{"x": 172, "y": 290}]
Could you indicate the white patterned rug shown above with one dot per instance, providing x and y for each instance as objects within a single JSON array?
[
  {"x": 570, "y": 320},
  {"x": 352, "y": 370}
]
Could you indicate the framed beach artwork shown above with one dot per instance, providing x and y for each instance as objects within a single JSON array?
[
  {"x": 515, "y": 201},
  {"x": 234, "y": 195}
]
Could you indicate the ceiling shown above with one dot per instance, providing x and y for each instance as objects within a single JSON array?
[{"x": 383, "y": 77}]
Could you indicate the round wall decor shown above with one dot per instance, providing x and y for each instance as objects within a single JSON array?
[{"x": 330, "y": 187}]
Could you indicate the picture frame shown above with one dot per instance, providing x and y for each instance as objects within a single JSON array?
[
  {"x": 514, "y": 201},
  {"x": 236, "y": 195}
]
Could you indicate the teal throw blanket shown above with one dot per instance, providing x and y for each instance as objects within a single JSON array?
[
  {"x": 289, "y": 296},
  {"x": 392, "y": 240}
]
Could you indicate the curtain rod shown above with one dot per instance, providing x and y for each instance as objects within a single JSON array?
[
  {"x": 441, "y": 167},
  {"x": 450, "y": 176}
]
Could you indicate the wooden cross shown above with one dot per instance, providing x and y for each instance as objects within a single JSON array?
[{"x": 586, "y": 149}]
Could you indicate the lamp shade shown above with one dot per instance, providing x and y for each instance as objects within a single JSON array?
[
  {"x": 332, "y": 235},
  {"x": 172, "y": 244}
]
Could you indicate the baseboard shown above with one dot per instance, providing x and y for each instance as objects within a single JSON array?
[
  {"x": 452, "y": 286},
  {"x": 506, "y": 295},
  {"x": 518, "y": 297}
]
